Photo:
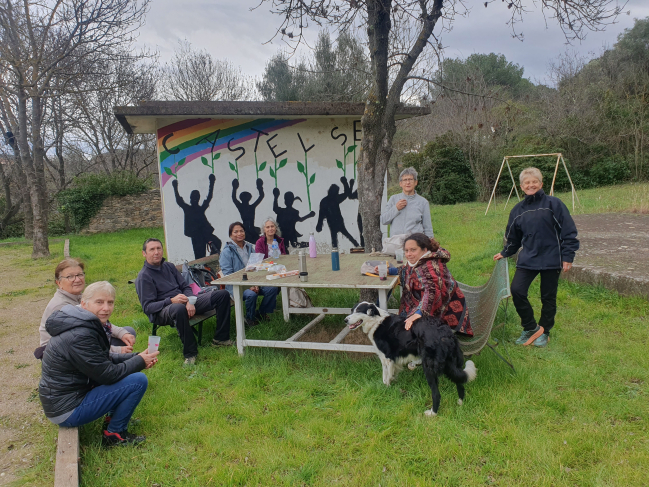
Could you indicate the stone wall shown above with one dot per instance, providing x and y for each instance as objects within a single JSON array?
[{"x": 124, "y": 212}]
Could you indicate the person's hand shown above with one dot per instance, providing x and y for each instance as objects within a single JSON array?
[
  {"x": 318, "y": 228},
  {"x": 129, "y": 340},
  {"x": 179, "y": 299},
  {"x": 255, "y": 289},
  {"x": 191, "y": 310},
  {"x": 343, "y": 180},
  {"x": 260, "y": 183},
  {"x": 126, "y": 349},
  {"x": 567, "y": 266},
  {"x": 498, "y": 256},
  {"x": 212, "y": 178},
  {"x": 150, "y": 359},
  {"x": 411, "y": 320},
  {"x": 235, "y": 183},
  {"x": 376, "y": 269},
  {"x": 174, "y": 183},
  {"x": 401, "y": 204},
  {"x": 276, "y": 192},
  {"x": 311, "y": 215}
]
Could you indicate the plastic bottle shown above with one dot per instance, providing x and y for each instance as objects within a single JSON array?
[
  {"x": 274, "y": 250},
  {"x": 312, "y": 248},
  {"x": 335, "y": 259}
]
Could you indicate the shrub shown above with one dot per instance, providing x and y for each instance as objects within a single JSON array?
[{"x": 88, "y": 192}]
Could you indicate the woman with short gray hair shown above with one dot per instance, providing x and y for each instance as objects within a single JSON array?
[{"x": 407, "y": 212}]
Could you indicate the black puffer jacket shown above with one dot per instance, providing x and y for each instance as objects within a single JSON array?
[
  {"x": 77, "y": 359},
  {"x": 542, "y": 225}
]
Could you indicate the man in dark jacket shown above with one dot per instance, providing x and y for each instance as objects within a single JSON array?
[
  {"x": 543, "y": 227},
  {"x": 81, "y": 379},
  {"x": 164, "y": 296}
]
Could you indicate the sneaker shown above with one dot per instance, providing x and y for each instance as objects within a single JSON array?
[
  {"x": 528, "y": 337},
  {"x": 541, "y": 341},
  {"x": 189, "y": 362},
  {"x": 132, "y": 422},
  {"x": 124, "y": 438},
  {"x": 222, "y": 343}
]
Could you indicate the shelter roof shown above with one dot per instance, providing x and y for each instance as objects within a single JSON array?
[{"x": 148, "y": 115}]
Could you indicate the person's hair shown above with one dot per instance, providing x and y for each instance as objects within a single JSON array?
[
  {"x": 423, "y": 242},
  {"x": 409, "y": 171},
  {"x": 98, "y": 287},
  {"x": 531, "y": 171},
  {"x": 232, "y": 225},
  {"x": 66, "y": 263},
  {"x": 149, "y": 240},
  {"x": 272, "y": 220}
]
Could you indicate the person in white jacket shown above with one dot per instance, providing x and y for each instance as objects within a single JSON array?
[{"x": 407, "y": 212}]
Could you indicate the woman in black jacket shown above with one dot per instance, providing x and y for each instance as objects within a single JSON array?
[
  {"x": 543, "y": 227},
  {"x": 81, "y": 379}
]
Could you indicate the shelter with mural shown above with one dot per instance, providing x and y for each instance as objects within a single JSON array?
[{"x": 222, "y": 162}]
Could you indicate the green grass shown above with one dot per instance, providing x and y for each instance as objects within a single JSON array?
[{"x": 576, "y": 413}]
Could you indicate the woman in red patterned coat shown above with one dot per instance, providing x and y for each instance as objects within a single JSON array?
[{"x": 428, "y": 288}]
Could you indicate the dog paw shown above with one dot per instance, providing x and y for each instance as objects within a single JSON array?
[
  {"x": 460, "y": 402},
  {"x": 430, "y": 413}
]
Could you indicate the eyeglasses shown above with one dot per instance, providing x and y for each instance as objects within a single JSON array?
[
  {"x": 73, "y": 277},
  {"x": 407, "y": 180}
]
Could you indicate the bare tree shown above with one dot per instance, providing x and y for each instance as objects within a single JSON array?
[
  {"x": 43, "y": 42},
  {"x": 193, "y": 75},
  {"x": 400, "y": 35}
]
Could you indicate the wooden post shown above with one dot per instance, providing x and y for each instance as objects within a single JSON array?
[
  {"x": 66, "y": 248},
  {"x": 66, "y": 471},
  {"x": 493, "y": 193}
]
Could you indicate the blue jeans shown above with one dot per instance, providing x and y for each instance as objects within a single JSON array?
[
  {"x": 267, "y": 304},
  {"x": 121, "y": 398}
]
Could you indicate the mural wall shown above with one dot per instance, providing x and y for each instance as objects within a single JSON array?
[{"x": 301, "y": 172}]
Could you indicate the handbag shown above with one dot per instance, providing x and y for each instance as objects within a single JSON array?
[{"x": 391, "y": 244}]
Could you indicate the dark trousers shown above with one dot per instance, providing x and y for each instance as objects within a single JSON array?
[
  {"x": 120, "y": 343},
  {"x": 176, "y": 315},
  {"x": 520, "y": 286}
]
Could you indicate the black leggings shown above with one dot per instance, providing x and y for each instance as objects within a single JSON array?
[{"x": 549, "y": 283}]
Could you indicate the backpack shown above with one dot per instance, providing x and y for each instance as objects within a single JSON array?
[{"x": 199, "y": 274}]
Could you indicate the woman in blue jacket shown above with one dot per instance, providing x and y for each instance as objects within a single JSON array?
[
  {"x": 543, "y": 227},
  {"x": 234, "y": 257}
]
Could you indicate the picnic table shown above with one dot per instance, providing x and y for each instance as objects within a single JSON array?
[{"x": 320, "y": 276}]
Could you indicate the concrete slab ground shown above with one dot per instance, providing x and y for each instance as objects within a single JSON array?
[{"x": 614, "y": 252}]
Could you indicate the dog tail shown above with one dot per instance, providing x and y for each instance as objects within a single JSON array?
[
  {"x": 470, "y": 370},
  {"x": 459, "y": 376}
]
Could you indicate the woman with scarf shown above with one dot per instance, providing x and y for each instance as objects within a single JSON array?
[{"x": 427, "y": 286}]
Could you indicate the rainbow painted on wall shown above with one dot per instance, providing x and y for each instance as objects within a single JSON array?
[{"x": 189, "y": 140}]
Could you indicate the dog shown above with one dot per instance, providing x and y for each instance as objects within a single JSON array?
[{"x": 429, "y": 339}]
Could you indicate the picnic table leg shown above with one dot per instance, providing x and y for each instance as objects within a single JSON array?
[
  {"x": 285, "y": 304},
  {"x": 383, "y": 299},
  {"x": 238, "y": 317}
]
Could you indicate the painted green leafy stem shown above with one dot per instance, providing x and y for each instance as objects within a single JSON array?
[
  {"x": 259, "y": 168},
  {"x": 304, "y": 169},
  {"x": 273, "y": 173},
  {"x": 214, "y": 158},
  {"x": 171, "y": 172},
  {"x": 343, "y": 164}
]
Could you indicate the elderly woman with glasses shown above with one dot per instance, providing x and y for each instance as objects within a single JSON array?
[
  {"x": 407, "y": 212},
  {"x": 70, "y": 280}
]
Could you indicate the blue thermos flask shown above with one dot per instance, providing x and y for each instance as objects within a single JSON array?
[{"x": 335, "y": 259}]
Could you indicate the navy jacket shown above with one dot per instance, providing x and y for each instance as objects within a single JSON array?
[
  {"x": 78, "y": 358},
  {"x": 542, "y": 225},
  {"x": 156, "y": 285}
]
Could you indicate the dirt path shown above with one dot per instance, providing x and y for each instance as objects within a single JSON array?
[{"x": 26, "y": 286}]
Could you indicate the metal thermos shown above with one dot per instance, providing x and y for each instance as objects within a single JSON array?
[
  {"x": 304, "y": 275},
  {"x": 335, "y": 259}
]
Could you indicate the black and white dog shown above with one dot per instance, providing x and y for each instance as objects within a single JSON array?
[{"x": 428, "y": 338}]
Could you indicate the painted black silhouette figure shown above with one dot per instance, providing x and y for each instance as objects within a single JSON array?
[
  {"x": 288, "y": 217},
  {"x": 359, "y": 218},
  {"x": 330, "y": 211},
  {"x": 247, "y": 210},
  {"x": 197, "y": 227}
]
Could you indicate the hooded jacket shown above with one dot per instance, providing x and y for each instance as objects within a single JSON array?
[
  {"x": 77, "y": 359},
  {"x": 542, "y": 225},
  {"x": 230, "y": 261}
]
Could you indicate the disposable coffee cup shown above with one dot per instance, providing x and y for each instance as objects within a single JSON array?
[
  {"x": 154, "y": 343},
  {"x": 192, "y": 300}
]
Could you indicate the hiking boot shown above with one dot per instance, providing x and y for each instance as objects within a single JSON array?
[
  {"x": 124, "y": 438},
  {"x": 528, "y": 336},
  {"x": 189, "y": 362},
  {"x": 222, "y": 343},
  {"x": 132, "y": 422},
  {"x": 541, "y": 341}
]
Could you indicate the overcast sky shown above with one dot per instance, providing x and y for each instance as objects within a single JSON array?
[{"x": 229, "y": 29}]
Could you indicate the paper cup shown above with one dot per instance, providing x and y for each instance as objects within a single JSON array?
[
  {"x": 192, "y": 300},
  {"x": 154, "y": 343}
]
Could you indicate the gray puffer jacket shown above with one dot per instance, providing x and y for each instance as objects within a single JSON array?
[{"x": 77, "y": 359}]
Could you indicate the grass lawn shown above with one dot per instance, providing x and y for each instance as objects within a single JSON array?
[{"x": 575, "y": 413}]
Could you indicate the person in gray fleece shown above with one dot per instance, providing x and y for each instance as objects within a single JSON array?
[{"x": 407, "y": 212}]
